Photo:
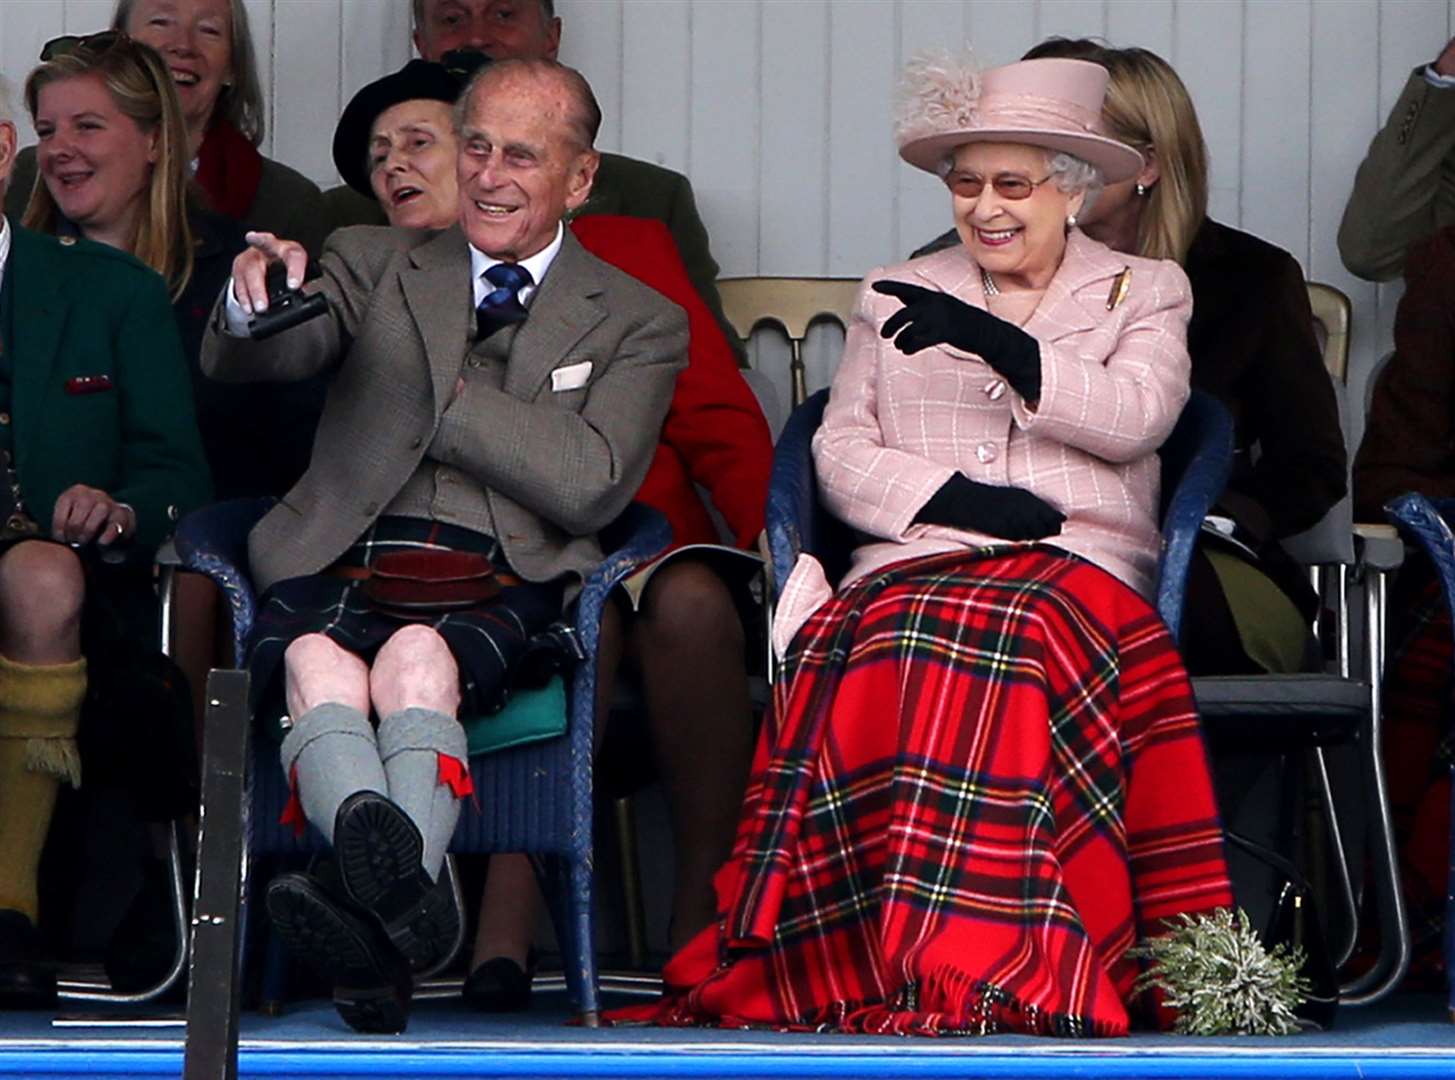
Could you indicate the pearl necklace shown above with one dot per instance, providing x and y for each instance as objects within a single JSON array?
[{"x": 988, "y": 283}]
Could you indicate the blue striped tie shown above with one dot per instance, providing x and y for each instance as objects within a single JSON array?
[{"x": 501, "y": 306}]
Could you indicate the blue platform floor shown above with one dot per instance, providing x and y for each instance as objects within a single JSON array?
[{"x": 1406, "y": 1036}]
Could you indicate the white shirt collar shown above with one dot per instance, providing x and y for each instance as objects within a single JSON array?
[
  {"x": 4, "y": 246},
  {"x": 536, "y": 266}
]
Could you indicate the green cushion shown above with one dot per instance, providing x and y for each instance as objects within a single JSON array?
[{"x": 529, "y": 716}]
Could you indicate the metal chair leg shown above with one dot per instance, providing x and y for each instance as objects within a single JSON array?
[
  {"x": 213, "y": 998},
  {"x": 1394, "y": 933},
  {"x": 1344, "y": 948}
]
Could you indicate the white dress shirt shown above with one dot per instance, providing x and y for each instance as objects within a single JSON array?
[{"x": 4, "y": 247}]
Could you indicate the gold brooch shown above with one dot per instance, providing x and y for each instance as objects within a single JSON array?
[{"x": 1119, "y": 288}]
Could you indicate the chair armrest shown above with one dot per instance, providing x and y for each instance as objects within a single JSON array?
[
  {"x": 1380, "y": 546},
  {"x": 793, "y": 491},
  {"x": 1196, "y": 460},
  {"x": 167, "y": 554},
  {"x": 1426, "y": 522},
  {"x": 214, "y": 541},
  {"x": 643, "y": 534}
]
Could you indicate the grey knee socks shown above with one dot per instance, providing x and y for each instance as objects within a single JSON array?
[
  {"x": 335, "y": 753},
  {"x": 410, "y": 744}
]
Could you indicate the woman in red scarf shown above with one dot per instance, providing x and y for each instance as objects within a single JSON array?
[{"x": 208, "y": 48}]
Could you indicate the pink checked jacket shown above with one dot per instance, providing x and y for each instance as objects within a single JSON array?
[{"x": 1114, "y": 377}]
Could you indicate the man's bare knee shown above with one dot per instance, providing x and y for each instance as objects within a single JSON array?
[
  {"x": 317, "y": 669},
  {"x": 415, "y": 668}
]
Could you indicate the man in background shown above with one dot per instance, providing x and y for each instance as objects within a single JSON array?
[{"x": 1405, "y": 188}]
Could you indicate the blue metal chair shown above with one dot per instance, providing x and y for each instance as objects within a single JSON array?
[
  {"x": 1426, "y": 522},
  {"x": 535, "y": 798}
]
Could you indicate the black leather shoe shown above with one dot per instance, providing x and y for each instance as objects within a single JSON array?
[
  {"x": 379, "y": 854},
  {"x": 499, "y": 985},
  {"x": 371, "y": 981},
  {"x": 27, "y": 981}
]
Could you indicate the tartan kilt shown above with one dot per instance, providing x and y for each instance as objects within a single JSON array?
[
  {"x": 984, "y": 780},
  {"x": 514, "y": 638},
  {"x": 1419, "y": 748}
]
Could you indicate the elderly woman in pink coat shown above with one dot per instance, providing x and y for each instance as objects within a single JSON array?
[{"x": 983, "y": 780}]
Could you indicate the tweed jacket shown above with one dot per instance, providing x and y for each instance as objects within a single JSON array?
[
  {"x": 100, "y": 394},
  {"x": 1409, "y": 439},
  {"x": 558, "y": 460},
  {"x": 1112, "y": 385},
  {"x": 1405, "y": 187}
]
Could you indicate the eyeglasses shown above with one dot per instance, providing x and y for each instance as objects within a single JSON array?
[
  {"x": 67, "y": 44},
  {"x": 1007, "y": 185}
]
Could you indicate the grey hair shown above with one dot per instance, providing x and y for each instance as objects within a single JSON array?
[
  {"x": 7, "y": 106},
  {"x": 1073, "y": 174}
]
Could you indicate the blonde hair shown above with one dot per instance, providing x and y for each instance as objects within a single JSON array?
[
  {"x": 141, "y": 87},
  {"x": 1148, "y": 108},
  {"x": 240, "y": 102}
]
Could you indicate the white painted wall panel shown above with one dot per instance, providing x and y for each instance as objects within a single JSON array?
[
  {"x": 1070, "y": 18},
  {"x": 923, "y": 203},
  {"x": 24, "y": 28},
  {"x": 779, "y": 109},
  {"x": 724, "y": 144},
  {"x": 307, "y": 92},
  {"x": 1343, "y": 116},
  {"x": 593, "y": 43},
  {"x": 87, "y": 16},
  {"x": 793, "y": 235},
  {"x": 1001, "y": 31},
  {"x": 1208, "y": 54},
  {"x": 1273, "y": 184},
  {"x": 1147, "y": 23},
  {"x": 863, "y": 168},
  {"x": 260, "y": 19},
  {"x": 656, "y": 102}
]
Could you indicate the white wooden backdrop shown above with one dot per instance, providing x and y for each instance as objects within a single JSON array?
[{"x": 778, "y": 109}]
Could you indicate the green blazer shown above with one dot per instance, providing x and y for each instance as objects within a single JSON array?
[
  {"x": 89, "y": 312},
  {"x": 623, "y": 186}
]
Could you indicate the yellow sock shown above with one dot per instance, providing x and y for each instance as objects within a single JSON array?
[{"x": 40, "y": 711}]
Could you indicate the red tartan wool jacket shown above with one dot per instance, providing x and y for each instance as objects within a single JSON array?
[{"x": 715, "y": 434}]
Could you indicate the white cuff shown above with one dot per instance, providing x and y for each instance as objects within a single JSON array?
[
  {"x": 235, "y": 319},
  {"x": 1435, "y": 79}
]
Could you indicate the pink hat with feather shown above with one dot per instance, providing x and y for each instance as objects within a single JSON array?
[{"x": 1052, "y": 103}]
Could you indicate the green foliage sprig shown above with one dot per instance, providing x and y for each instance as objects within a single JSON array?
[{"x": 1215, "y": 972}]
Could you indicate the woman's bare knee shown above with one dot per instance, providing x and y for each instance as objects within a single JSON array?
[
  {"x": 415, "y": 669},
  {"x": 42, "y": 591},
  {"x": 317, "y": 669}
]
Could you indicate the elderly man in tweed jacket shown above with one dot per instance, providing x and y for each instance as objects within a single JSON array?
[{"x": 496, "y": 392}]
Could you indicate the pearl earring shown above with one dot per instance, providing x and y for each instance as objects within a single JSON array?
[
  {"x": 1141, "y": 189},
  {"x": 1070, "y": 222}
]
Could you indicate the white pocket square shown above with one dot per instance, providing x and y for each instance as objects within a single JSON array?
[{"x": 570, "y": 377}]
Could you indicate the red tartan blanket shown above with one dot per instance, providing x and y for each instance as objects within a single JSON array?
[{"x": 983, "y": 782}]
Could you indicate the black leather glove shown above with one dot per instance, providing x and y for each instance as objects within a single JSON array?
[
  {"x": 1010, "y": 513},
  {"x": 930, "y": 317}
]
